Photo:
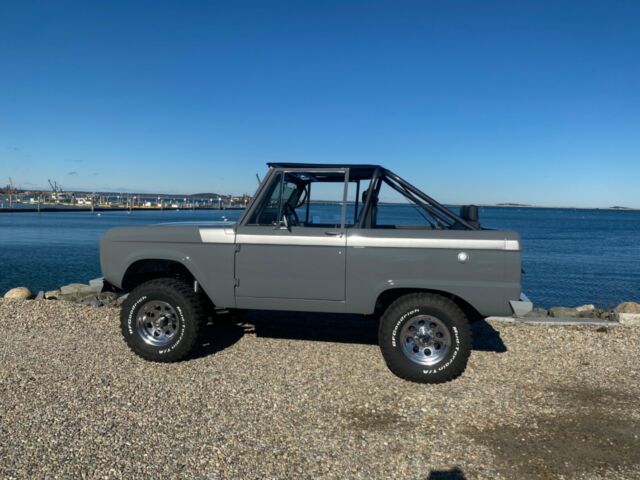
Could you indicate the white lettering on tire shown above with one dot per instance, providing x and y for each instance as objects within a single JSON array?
[
  {"x": 402, "y": 319},
  {"x": 131, "y": 310},
  {"x": 183, "y": 325}
]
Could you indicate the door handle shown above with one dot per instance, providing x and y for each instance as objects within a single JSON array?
[{"x": 333, "y": 234}]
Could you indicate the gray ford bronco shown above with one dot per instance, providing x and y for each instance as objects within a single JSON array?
[{"x": 353, "y": 239}]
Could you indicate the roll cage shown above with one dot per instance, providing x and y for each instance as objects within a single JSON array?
[{"x": 436, "y": 214}]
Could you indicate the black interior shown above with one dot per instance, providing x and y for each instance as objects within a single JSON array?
[{"x": 366, "y": 208}]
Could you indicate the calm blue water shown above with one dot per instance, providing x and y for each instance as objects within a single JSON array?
[{"x": 570, "y": 256}]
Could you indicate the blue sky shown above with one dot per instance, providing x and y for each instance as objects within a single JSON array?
[{"x": 532, "y": 102}]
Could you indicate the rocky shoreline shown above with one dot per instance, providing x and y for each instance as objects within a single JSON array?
[
  {"x": 627, "y": 313},
  {"x": 91, "y": 294}
]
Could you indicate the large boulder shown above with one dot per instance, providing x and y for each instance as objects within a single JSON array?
[
  {"x": 595, "y": 313},
  {"x": 586, "y": 308},
  {"x": 76, "y": 296},
  {"x": 51, "y": 294},
  {"x": 629, "y": 319},
  {"x": 628, "y": 307},
  {"x": 97, "y": 284},
  {"x": 628, "y": 313},
  {"x": 18, "y": 293},
  {"x": 76, "y": 289}
]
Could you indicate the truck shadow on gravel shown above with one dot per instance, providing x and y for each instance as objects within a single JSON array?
[
  {"x": 227, "y": 329},
  {"x": 452, "y": 474}
]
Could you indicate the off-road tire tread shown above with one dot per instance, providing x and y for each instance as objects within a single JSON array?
[
  {"x": 196, "y": 313},
  {"x": 408, "y": 302}
]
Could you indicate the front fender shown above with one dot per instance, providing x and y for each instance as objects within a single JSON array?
[{"x": 210, "y": 264}]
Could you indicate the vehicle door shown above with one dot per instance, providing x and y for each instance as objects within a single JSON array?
[{"x": 291, "y": 244}]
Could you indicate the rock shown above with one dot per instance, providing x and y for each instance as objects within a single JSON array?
[
  {"x": 121, "y": 299},
  {"x": 75, "y": 288},
  {"x": 52, "y": 294},
  {"x": 91, "y": 300},
  {"x": 628, "y": 307},
  {"x": 88, "y": 297},
  {"x": 107, "y": 299},
  {"x": 629, "y": 319},
  {"x": 595, "y": 313},
  {"x": 67, "y": 297},
  {"x": 537, "y": 312},
  {"x": 18, "y": 293},
  {"x": 563, "y": 312},
  {"x": 97, "y": 284},
  {"x": 586, "y": 308},
  {"x": 77, "y": 296},
  {"x": 40, "y": 295}
]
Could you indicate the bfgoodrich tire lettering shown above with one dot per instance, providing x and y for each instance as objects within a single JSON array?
[
  {"x": 179, "y": 310},
  {"x": 425, "y": 338}
]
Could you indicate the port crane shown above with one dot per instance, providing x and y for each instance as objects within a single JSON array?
[
  {"x": 10, "y": 191},
  {"x": 56, "y": 189},
  {"x": 54, "y": 186}
]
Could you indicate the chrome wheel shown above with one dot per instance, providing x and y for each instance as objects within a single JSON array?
[
  {"x": 157, "y": 323},
  {"x": 425, "y": 340}
]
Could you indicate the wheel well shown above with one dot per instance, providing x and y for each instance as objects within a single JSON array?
[
  {"x": 387, "y": 297},
  {"x": 148, "y": 269}
]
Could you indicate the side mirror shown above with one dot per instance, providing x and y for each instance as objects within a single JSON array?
[{"x": 469, "y": 213}]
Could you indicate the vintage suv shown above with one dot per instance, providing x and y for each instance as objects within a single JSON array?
[{"x": 353, "y": 239}]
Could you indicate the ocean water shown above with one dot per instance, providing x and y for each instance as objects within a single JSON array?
[{"x": 570, "y": 256}]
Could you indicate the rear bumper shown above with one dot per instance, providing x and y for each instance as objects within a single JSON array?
[{"x": 521, "y": 307}]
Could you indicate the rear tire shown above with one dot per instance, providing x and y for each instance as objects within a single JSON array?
[
  {"x": 161, "y": 319},
  {"x": 425, "y": 338}
]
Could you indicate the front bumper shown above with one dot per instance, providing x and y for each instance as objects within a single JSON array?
[{"x": 521, "y": 307}]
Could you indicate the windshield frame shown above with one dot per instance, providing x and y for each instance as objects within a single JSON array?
[{"x": 444, "y": 217}]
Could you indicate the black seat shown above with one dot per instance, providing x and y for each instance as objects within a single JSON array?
[{"x": 369, "y": 221}]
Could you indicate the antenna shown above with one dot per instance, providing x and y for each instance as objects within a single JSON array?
[{"x": 258, "y": 178}]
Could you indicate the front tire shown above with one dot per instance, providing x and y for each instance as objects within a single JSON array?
[
  {"x": 425, "y": 338},
  {"x": 160, "y": 320}
]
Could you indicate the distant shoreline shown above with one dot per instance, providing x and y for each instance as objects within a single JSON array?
[
  {"x": 614, "y": 209},
  {"x": 108, "y": 209}
]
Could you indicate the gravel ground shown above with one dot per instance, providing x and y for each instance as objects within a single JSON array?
[{"x": 308, "y": 396}]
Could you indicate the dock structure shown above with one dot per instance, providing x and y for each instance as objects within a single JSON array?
[
  {"x": 14, "y": 199},
  {"x": 50, "y": 209}
]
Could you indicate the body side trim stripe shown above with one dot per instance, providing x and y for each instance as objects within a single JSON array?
[
  {"x": 219, "y": 235},
  {"x": 457, "y": 243},
  {"x": 328, "y": 241}
]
